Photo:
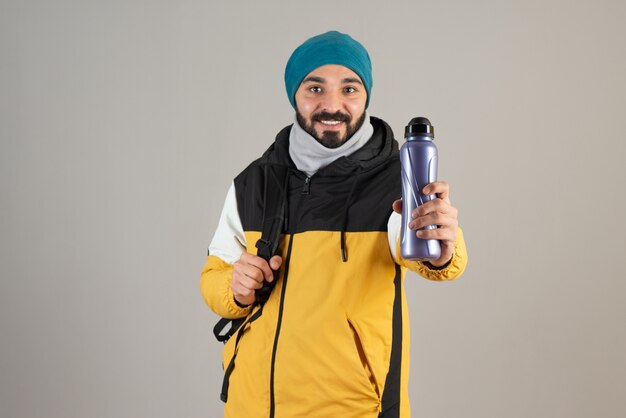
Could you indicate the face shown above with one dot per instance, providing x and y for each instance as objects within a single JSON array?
[{"x": 330, "y": 104}]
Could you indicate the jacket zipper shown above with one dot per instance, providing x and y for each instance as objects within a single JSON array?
[
  {"x": 307, "y": 186},
  {"x": 278, "y": 324}
]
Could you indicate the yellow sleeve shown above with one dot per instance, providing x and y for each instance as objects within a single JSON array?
[
  {"x": 216, "y": 291},
  {"x": 452, "y": 271}
]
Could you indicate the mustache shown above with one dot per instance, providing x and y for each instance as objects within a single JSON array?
[{"x": 337, "y": 116}]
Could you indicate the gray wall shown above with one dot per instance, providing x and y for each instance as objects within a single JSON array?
[{"x": 122, "y": 124}]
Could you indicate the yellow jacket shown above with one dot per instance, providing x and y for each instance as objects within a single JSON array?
[{"x": 333, "y": 338}]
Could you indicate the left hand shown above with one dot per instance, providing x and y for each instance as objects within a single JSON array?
[{"x": 438, "y": 212}]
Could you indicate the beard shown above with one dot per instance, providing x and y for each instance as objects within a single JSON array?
[{"x": 330, "y": 139}]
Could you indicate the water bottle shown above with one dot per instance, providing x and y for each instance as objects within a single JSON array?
[{"x": 418, "y": 158}]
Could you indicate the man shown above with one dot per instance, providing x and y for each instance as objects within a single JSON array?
[{"x": 332, "y": 340}]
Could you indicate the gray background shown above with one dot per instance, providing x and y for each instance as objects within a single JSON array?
[{"x": 122, "y": 124}]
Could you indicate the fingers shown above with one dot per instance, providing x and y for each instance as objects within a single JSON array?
[
  {"x": 244, "y": 288},
  {"x": 397, "y": 206},
  {"x": 249, "y": 272},
  {"x": 255, "y": 267},
  {"x": 440, "y": 188},
  {"x": 437, "y": 212},
  {"x": 435, "y": 205},
  {"x": 434, "y": 218},
  {"x": 245, "y": 284},
  {"x": 276, "y": 262},
  {"x": 442, "y": 234}
]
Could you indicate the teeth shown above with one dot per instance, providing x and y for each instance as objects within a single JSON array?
[{"x": 330, "y": 122}]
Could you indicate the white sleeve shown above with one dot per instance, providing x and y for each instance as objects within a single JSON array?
[
  {"x": 393, "y": 232},
  {"x": 229, "y": 241}
]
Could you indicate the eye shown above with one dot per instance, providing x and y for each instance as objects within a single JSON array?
[
  {"x": 315, "y": 89},
  {"x": 349, "y": 89}
]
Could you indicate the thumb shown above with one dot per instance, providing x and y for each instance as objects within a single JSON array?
[
  {"x": 275, "y": 262},
  {"x": 397, "y": 206}
]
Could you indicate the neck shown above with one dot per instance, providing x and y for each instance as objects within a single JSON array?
[{"x": 310, "y": 155}]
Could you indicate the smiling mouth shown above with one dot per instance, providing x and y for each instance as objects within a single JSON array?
[{"x": 330, "y": 122}]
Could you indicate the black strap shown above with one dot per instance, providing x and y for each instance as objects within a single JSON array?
[
  {"x": 231, "y": 365},
  {"x": 226, "y": 327},
  {"x": 274, "y": 214},
  {"x": 275, "y": 188},
  {"x": 275, "y": 196}
]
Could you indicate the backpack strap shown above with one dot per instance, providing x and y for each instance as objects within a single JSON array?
[
  {"x": 274, "y": 220},
  {"x": 226, "y": 327},
  {"x": 275, "y": 193},
  {"x": 231, "y": 364}
]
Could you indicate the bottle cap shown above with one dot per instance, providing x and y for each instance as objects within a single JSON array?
[{"x": 419, "y": 126}]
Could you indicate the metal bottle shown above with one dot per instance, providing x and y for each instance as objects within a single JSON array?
[{"x": 418, "y": 158}]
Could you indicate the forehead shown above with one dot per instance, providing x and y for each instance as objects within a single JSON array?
[{"x": 333, "y": 73}]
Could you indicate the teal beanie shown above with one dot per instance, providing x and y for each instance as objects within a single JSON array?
[{"x": 328, "y": 48}]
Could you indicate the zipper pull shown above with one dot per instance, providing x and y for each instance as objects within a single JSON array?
[{"x": 307, "y": 186}]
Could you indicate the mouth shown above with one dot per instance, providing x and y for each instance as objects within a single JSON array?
[{"x": 330, "y": 124}]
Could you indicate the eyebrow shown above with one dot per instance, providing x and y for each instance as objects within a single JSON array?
[
  {"x": 315, "y": 79},
  {"x": 352, "y": 80}
]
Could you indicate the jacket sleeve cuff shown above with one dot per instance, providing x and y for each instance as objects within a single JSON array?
[
  {"x": 215, "y": 287},
  {"x": 452, "y": 270}
]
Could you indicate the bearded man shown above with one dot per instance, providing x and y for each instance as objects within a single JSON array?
[{"x": 332, "y": 338}]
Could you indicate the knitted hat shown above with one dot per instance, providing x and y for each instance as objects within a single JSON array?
[{"x": 328, "y": 48}]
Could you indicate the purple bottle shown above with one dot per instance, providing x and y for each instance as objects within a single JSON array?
[{"x": 418, "y": 158}]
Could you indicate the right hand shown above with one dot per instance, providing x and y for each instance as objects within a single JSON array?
[{"x": 249, "y": 272}]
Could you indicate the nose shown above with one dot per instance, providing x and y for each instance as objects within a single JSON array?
[{"x": 332, "y": 102}]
